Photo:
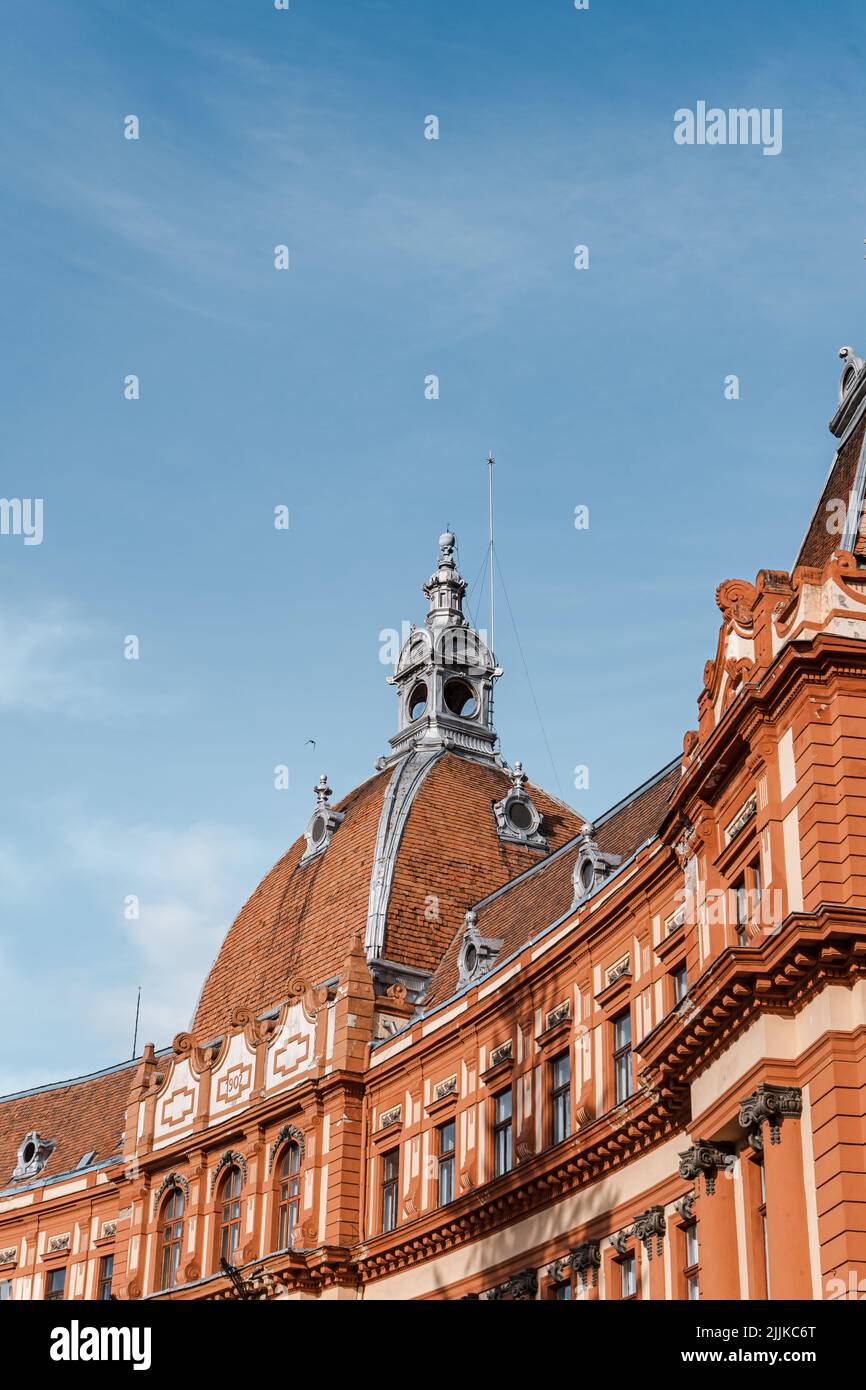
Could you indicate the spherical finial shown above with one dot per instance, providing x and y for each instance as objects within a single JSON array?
[{"x": 447, "y": 541}]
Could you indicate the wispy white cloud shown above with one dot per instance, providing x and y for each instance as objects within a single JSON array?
[
  {"x": 189, "y": 882},
  {"x": 48, "y": 662},
  {"x": 57, "y": 661}
]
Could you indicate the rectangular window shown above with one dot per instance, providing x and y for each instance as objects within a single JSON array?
[
  {"x": 742, "y": 903},
  {"x": 628, "y": 1277},
  {"x": 690, "y": 1272},
  {"x": 762, "y": 1214},
  {"x": 756, "y": 889},
  {"x": 55, "y": 1285},
  {"x": 106, "y": 1270},
  {"x": 5, "y": 1290},
  {"x": 560, "y": 1097},
  {"x": 748, "y": 890},
  {"x": 561, "y": 1292},
  {"x": 502, "y": 1133},
  {"x": 680, "y": 983},
  {"x": 446, "y": 1144},
  {"x": 390, "y": 1183},
  {"x": 622, "y": 1056}
]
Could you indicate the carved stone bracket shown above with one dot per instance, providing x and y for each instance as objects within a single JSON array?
[
  {"x": 707, "y": 1159},
  {"x": 686, "y": 1206},
  {"x": 520, "y": 1287},
  {"x": 648, "y": 1224},
  {"x": 585, "y": 1259},
  {"x": 558, "y": 1271},
  {"x": 620, "y": 1239},
  {"x": 769, "y": 1105}
]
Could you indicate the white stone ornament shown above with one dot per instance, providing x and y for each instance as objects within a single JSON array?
[{"x": 322, "y": 824}]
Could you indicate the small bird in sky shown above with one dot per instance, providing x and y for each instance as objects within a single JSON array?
[{"x": 312, "y": 741}]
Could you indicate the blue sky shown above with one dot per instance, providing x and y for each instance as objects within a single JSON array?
[{"x": 409, "y": 257}]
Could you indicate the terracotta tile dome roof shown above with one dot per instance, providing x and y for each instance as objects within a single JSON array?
[{"x": 443, "y": 857}]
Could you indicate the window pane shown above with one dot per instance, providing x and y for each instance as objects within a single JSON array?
[
  {"x": 628, "y": 1277},
  {"x": 390, "y": 1182},
  {"x": 106, "y": 1269},
  {"x": 446, "y": 1138},
  {"x": 502, "y": 1133},
  {"x": 694, "y": 1289},
  {"x": 561, "y": 1097},
  {"x": 623, "y": 1077},
  {"x": 446, "y": 1181},
  {"x": 691, "y": 1245},
  {"x": 622, "y": 1031}
]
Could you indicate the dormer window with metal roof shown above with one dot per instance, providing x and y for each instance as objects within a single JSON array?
[
  {"x": 322, "y": 824},
  {"x": 591, "y": 867},
  {"x": 518, "y": 820},
  {"x": 477, "y": 953},
  {"x": 33, "y": 1154}
]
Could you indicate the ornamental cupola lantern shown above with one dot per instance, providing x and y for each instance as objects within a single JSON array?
[{"x": 445, "y": 673}]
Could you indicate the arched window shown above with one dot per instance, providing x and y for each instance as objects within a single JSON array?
[
  {"x": 230, "y": 1214},
  {"x": 288, "y": 1194},
  {"x": 170, "y": 1237}
]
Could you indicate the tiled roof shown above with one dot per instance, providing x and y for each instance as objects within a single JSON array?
[
  {"x": 522, "y": 909},
  {"x": 819, "y": 543},
  {"x": 451, "y": 855},
  {"x": 301, "y": 919},
  {"x": 80, "y": 1115}
]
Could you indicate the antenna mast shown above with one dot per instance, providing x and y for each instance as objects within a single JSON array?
[
  {"x": 490, "y": 548},
  {"x": 135, "y": 1033}
]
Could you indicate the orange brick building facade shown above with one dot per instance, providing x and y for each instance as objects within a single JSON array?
[{"x": 461, "y": 1044}]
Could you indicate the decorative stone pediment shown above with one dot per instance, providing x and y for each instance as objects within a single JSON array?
[
  {"x": 171, "y": 1180},
  {"x": 230, "y": 1158},
  {"x": 288, "y": 1134}
]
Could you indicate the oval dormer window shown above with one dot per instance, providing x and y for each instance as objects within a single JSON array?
[
  {"x": 460, "y": 699},
  {"x": 418, "y": 701},
  {"x": 521, "y": 817},
  {"x": 587, "y": 874},
  {"x": 470, "y": 959},
  {"x": 28, "y": 1153},
  {"x": 318, "y": 829},
  {"x": 848, "y": 380}
]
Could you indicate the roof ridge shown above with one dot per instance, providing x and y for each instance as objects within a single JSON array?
[
  {"x": 76, "y": 1080},
  {"x": 569, "y": 844},
  {"x": 638, "y": 791}
]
